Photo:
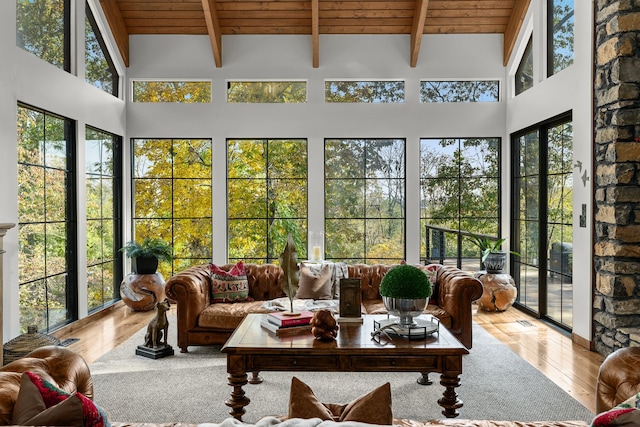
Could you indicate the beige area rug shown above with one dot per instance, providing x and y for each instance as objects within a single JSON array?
[{"x": 496, "y": 384}]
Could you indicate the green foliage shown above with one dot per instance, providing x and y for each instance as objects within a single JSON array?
[
  {"x": 291, "y": 274},
  {"x": 150, "y": 247},
  {"x": 172, "y": 91},
  {"x": 460, "y": 91},
  {"x": 364, "y": 91},
  {"x": 40, "y": 29},
  {"x": 267, "y": 92},
  {"x": 406, "y": 281},
  {"x": 488, "y": 245}
]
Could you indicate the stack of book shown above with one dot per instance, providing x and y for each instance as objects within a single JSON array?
[{"x": 283, "y": 323}]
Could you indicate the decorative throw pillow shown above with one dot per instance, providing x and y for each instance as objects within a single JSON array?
[
  {"x": 315, "y": 282},
  {"x": 626, "y": 414},
  {"x": 372, "y": 408},
  {"x": 229, "y": 286},
  {"x": 42, "y": 403}
]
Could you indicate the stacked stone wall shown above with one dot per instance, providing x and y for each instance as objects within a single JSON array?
[{"x": 617, "y": 175}]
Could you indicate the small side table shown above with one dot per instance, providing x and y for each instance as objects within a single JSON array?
[
  {"x": 499, "y": 292},
  {"x": 141, "y": 292}
]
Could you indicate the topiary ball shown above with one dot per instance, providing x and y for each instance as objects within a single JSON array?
[{"x": 406, "y": 281}]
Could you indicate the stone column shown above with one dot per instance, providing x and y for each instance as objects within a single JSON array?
[{"x": 617, "y": 175}]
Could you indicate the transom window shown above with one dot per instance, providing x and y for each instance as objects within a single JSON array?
[
  {"x": 266, "y": 92},
  {"x": 560, "y": 35},
  {"x": 374, "y": 91},
  {"x": 365, "y": 200},
  {"x": 524, "y": 73},
  {"x": 99, "y": 68},
  {"x": 267, "y": 198},
  {"x": 460, "y": 91},
  {"x": 188, "y": 92},
  {"x": 42, "y": 28}
]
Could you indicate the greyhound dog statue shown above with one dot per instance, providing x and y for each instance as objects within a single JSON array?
[{"x": 158, "y": 327}]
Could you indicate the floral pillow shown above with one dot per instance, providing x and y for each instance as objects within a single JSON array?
[
  {"x": 229, "y": 286},
  {"x": 626, "y": 414}
]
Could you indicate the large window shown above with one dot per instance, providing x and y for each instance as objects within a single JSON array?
[
  {"x": 560, "y": 35},
  {"x": 42, "y": 28},
  {"x": 172, "y": 198},
  {"x": 459, "y": 191},
  {"x": 542, "y": 219},
  {"x": 99, "y": 68},
  {"x": 104, "y": 220},
  {"x": 267, "y": 198},
  {"x": 46, "y": 220},
  {"x": 365, "y": 200}
]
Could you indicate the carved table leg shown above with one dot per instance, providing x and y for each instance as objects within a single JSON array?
[
  {"x": 449, "y": 400},
  {"x": 424, "y": 379},
  {"x": 238, "y": 400},
  {"x": 255, "y": 378}
]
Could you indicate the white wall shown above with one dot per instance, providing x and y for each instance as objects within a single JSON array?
[
  {"x": 568, "y": 90},
  {"x": 341, "y": 57},
  {"x": 25, "y": 78}
]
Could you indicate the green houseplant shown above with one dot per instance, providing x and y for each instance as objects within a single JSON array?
[
  {"x": 145, "y": 255},
  {"x": 405, "y": 291},
  {"x": 492, "y": 257}
]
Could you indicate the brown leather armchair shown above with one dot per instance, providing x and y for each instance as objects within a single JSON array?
[
  {"x": 618, "y": 378},
  {"x": 201, "y": 323},
  {"x": 58, "y": 365}
]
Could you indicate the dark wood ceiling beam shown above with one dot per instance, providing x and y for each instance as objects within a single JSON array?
[
  {"x": 513, "y": 28},
  {"x": 118, "y": 29},
  {"x": 315, "y": 32},
  {"x": 417, "y": 29},
  {"x": 213, "y": 28}
]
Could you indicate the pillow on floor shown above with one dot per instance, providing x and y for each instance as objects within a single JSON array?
[
  {"x": 372, "y": 408},
  {"x": 315, "y": 282},
  {"x": 41, "y": 403},
  {"x": 229, "y": 286}
]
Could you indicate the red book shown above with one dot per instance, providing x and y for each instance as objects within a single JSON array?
[{"x": 283, "y": 319}]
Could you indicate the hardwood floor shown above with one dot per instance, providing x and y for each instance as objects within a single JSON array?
[{"x": 569, "y": 365}]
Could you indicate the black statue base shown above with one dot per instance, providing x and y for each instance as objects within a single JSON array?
[{"x": 154, "y": 353}]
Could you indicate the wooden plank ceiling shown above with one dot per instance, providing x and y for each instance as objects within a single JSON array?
[{"x": 216, "y": 18}]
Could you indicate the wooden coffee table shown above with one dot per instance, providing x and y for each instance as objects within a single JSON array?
[{"x": 253, "y": 349}]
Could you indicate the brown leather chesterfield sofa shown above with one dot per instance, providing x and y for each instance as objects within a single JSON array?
[
  {"x": 58, "y": 365},
  {"x": 618, "y": 378},
  {"x": 201, "y": 323}
]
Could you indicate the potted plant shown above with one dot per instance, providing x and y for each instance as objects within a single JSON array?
[
  {"x": 492, "y": 257},
  {"x": 405, "y": 291},
  {"x": 146, "y": 254}
]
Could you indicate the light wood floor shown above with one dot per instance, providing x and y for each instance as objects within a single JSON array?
[{"x": 570, "y": 366}]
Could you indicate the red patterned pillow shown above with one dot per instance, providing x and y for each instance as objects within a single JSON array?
[
  {"x": 42, "y": 403},
  {"x": 229, "y": 286}
]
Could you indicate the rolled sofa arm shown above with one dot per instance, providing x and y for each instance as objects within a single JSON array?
[
  {"x": 457, "y": 290},
  {"x": 618, "y": 378},
  {"x": 58, "y": 365},
  {"x": 190, "y": 289}
]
